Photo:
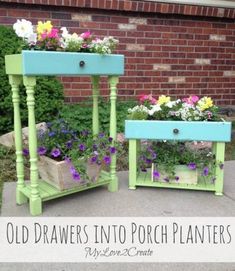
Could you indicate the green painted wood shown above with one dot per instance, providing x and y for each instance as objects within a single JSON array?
[
  {"x": 31, "y": 63},
  {"x": 35, "y": 200},
  {"x": 132, "y": 163},
  {"x": 48, "y": 192},
  {"x": 187, "y": 130},
  {"x": 113, "y": 81},
  {"x": 64, "y": 63},
  {"x": 219, "y": 154},
  {"x": 13, "y": 64},
  {"x": 15, "y": 81},
  {"x": 95, "y": 112}
]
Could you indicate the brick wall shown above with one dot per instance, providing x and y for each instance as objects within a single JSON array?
[{"x": 169, "y": 48}]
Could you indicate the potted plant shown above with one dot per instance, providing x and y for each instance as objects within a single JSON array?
[
  {"x": 68, "y": 159},
  {"x": 46, "y": 50},
  {"x": 170, "y": 125}
]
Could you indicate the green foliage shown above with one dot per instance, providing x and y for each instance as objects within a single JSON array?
[
  {"x": 79, "y": 116},
  {"x": 48, "y": 94}
]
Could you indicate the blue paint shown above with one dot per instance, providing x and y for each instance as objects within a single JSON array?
[
  {"x": 187, "y": 131},
  {"x": 66, "y": 63}
]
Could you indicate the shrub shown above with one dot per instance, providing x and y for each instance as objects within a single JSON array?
[
  {"x": 48, "y": 94},
  {"x": 79, "y": 116}
]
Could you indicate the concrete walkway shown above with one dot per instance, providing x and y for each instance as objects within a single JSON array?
[{"x": 141, "y": 202}]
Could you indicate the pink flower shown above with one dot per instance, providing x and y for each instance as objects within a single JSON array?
[
  {"x": 53, "y": 33},
  {"x": 149, "y": 98},
  {"x": 191, "y": 100},
  {"x": 86, "y": 35}
]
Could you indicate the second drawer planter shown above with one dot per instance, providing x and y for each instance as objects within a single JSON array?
[{"x": 216, "y": 132}]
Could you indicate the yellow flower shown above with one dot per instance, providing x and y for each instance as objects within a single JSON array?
[
  {"x": 163, "y": 99},
  {"x": 205, "y": 103},
  {"x": 44, "y": 27}
]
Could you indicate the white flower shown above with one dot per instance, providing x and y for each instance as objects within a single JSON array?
[
  {"x": 139, "y": 108},
  {"x": 65, "y": 32},
  {"x": 23, "y": 28},
  {"x": 154, "y": 108},
  {"x": 32, "y": 39}
]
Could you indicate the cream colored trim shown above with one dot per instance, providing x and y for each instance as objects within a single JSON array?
[{"x": 212, "y": 3}]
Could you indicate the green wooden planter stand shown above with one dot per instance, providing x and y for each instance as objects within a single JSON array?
[
  {"x": 217, "y": 132},
  {"x": 23, "y": 68}
]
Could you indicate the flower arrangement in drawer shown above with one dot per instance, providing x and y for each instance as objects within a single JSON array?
[
  {"x": 45, "y": 37},
  {"x": 191, "y": 108},
  {"x": 176, "y": 161}
]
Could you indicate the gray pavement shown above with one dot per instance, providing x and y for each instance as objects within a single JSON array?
[{"x": 139, "y": 202}]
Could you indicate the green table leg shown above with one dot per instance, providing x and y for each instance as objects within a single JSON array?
[
  {"x": 95, "y": 113},
  {"x": 15, "y": 82},
  {"x": 132, "y": 163},
  {"x": 35, "y": 200},
  {"x": 113, "y": 80},
  {"x": 219, "y": 149}
]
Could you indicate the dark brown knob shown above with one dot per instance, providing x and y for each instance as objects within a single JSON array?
[
  {"x": 176, "y": 131},
  {"x": 82, "y": 63}
]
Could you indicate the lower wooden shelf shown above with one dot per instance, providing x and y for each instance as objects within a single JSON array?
[
  {"x": 144, "y": 179},
  {"x": 48, "y": 192}
]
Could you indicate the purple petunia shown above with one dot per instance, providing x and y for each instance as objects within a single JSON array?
[
  {"x": 192, "y": 166},
  {"x": 75, "y": 174},
  {"x": 156, "y": 174},
  {"x": 154, "y": 155},
  {"x": 51, "y": 134},
  {"x": 25, "y": 152},
  {"x": 42, "y": 150},
  {"x": 93, "y": 159},
  {"x": 69, "y": 144},
  {"x": 101, "y": 135},
  {"x": 177, "y": 178},
  {"x": 107, "y": 160},
  {"x": 110, "y": 139},
  {"x": 148, "y": 161},
  {"x": 82, "y": 147},
  {"x": 112, "y": 150},
  {"x": 205, "y": 171},
  {"x": 55, "y": 152},
  {"x": 95, "y": 147},
  {"x": 221, "y": 166}
]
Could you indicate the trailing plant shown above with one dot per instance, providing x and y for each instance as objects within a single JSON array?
[
  {"x": 60, "y": 142},
  {"x": 168, "y": 154}
]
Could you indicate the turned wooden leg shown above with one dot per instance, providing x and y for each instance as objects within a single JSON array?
[
  {"x": 95, "y": 113},
  {"x": 113, "y": 80},
  {"x": 15, "y": 81},
  {"x": 35, "y": 200}
]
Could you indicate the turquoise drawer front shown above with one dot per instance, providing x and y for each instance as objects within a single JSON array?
[
  {"x": 178, "y": 130},
  {"x": 65, "y": 63}
]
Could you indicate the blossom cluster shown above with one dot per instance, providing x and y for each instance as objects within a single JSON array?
[
  {"x": 191, "y": 108},
  {"x": 44, "y": 36}
]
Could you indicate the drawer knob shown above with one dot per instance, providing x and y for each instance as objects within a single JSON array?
[
  {"x": 82, "y": 63},
  {"x": 176, "y": 131}
]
